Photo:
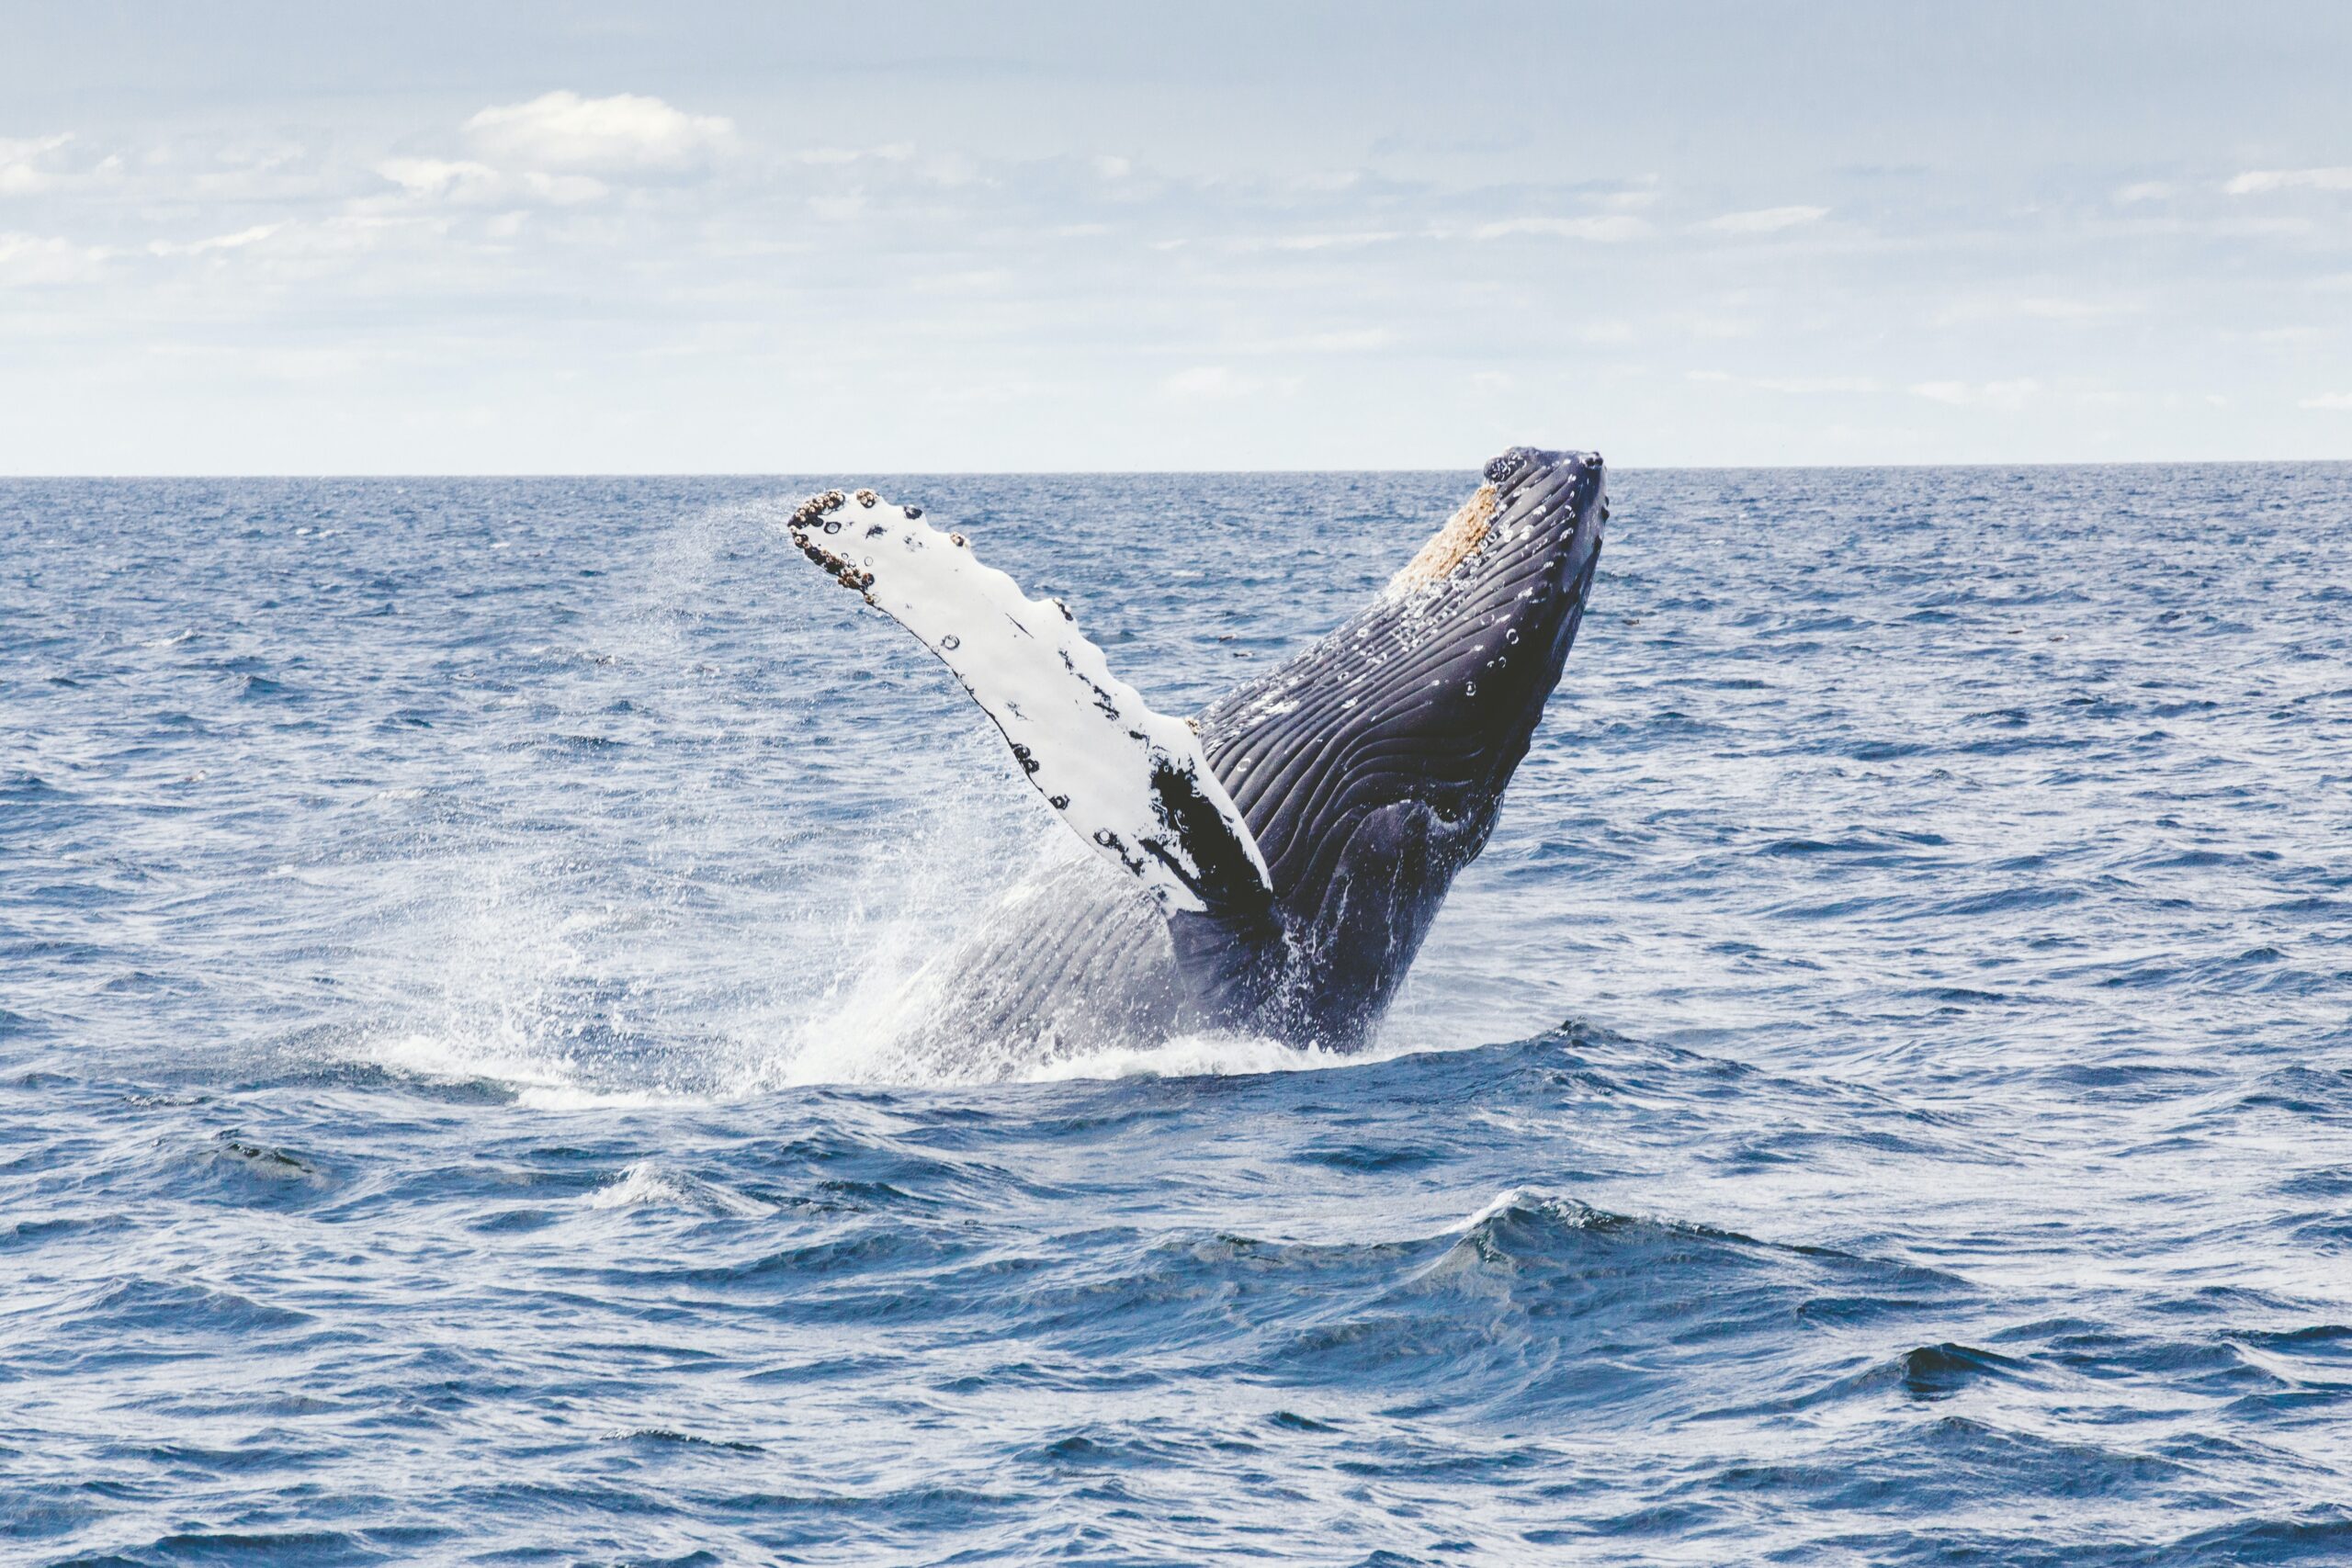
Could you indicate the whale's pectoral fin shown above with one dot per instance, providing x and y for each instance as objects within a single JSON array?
[{"x": 1131, "y": 782}]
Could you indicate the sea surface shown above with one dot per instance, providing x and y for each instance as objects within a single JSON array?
[{"x": 1883, "y": 1097}]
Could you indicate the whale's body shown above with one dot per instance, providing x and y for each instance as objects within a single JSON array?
[{"x": 1295, "y": 839}]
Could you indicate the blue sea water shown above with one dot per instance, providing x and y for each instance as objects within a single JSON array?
[{"x": 1883, "y": 1097}]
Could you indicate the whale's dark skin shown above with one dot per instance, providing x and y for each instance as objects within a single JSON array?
[{"x": 1370, "y": 770}]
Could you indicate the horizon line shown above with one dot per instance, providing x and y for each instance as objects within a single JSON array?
[{"x": 1144, "y": 473}]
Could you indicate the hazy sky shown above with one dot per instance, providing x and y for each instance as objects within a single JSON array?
[{"x": 501, "y": 238}]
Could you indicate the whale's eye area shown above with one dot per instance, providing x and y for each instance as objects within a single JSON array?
[{"x": 1463, "y": 532}]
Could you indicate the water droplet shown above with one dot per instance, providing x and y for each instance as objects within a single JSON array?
[{"x": 951, "y": 642}]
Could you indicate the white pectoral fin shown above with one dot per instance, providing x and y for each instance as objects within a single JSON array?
[{"x": 1132, "y": 783}]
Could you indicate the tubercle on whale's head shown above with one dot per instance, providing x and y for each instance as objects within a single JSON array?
[
  {"x": 1451, "y": 545},
  {"x": 1485, "y": 611},
  {"x": 1465, "y": 642},
  {"x": 1472, "y": 632},
  {"x": 1534, "y": 509}
]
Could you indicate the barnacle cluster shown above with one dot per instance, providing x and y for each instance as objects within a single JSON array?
[
  {"x": 1454, "y": 543},
  {"x": 814, "y": 516}
]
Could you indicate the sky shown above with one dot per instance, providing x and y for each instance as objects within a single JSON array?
[{"x": 760, "y": 238}]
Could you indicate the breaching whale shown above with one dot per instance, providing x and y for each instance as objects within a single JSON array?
[{"x": 1281, "y": 856}]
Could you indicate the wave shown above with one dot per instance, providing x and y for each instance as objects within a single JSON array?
[{"x": 648, "y": 1183}]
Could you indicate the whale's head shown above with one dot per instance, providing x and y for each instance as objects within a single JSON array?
[{"x": 1371, "y": 768}]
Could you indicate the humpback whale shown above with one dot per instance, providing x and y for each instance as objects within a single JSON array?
[{"x": 1279, "y": 857}]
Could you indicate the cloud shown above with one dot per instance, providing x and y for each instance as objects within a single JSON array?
[
  {"x": 2004, "y": 395},
  {"x": 1351, "y": 340},
  {"x": 1609, "y": 230},
  {"x": 1330, "y": 241},
  {"x": 2143, "y": 190},
  {"x": 438, "y": 176},
  {"x": 1764, "y": 219},
  {"x": 1788, "y": 385},
  {"x": 1212, "y": 383},
  {"x": 835, "y": 157},
  {"x": 624, "y": 132},
  {"x": 23, "y": 164},
  {"x": 2042, "y": 308},
  {"x": 34, "y": 259},
  {"x": 237, "y": 240},
  {"x": 2048, "y": 308},
  {"x": 2334, "y": 402},
  {"x": 465, "y": 183},
  {"x": 2256, "y": 182}
]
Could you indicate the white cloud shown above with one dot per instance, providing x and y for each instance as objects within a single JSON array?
[
  {"x": 1328, "y": 181},
  {"x": 237, "y": 240},
  {"x": 2335, "y": 402},
  {"x": 1209, "y": 383},
  {"x": 2256, "y": 182},
  {"x": 2048, "y": 308},
  {"x": 1112, "y": 168},
  {"x": 1608, "y": 230},
  {"x": 1330, "y": 241},
  {"x": 2004, "y": 395},
  {"x": 466, "y": 183},
  {"x": 1348, "y": 241},
  {"x": 1787, "y": 386},
  {"x": 1352, "y": 339},
  {"x": 2246, "y": 227},
  {"x": 2043, "y": 308},
  {"x": 438, "y": 176},
  {"x": 33, "y": 259},
  {"x": 834, "y": 157},
  {"x": 24, "y": 163},
  {"x": 1764, "y": 219},
  {"x": 626, "y": 131},
  {"x": 2143, "y": 190},
  {"x": 972, "y": 280}
]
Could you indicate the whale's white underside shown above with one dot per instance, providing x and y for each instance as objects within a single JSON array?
[{"x": 1119, "y": 774}]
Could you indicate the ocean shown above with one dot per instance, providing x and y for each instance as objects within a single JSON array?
[{"x": 1885, "y": 1096}]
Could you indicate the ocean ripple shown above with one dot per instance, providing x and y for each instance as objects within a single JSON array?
[{"x": 1883, "y": 1097}]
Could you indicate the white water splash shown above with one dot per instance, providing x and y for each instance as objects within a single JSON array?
[{"x": 648, "y": 1184}]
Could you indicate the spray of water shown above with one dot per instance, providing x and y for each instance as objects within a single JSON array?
[{"x": 729, "y": 902}]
